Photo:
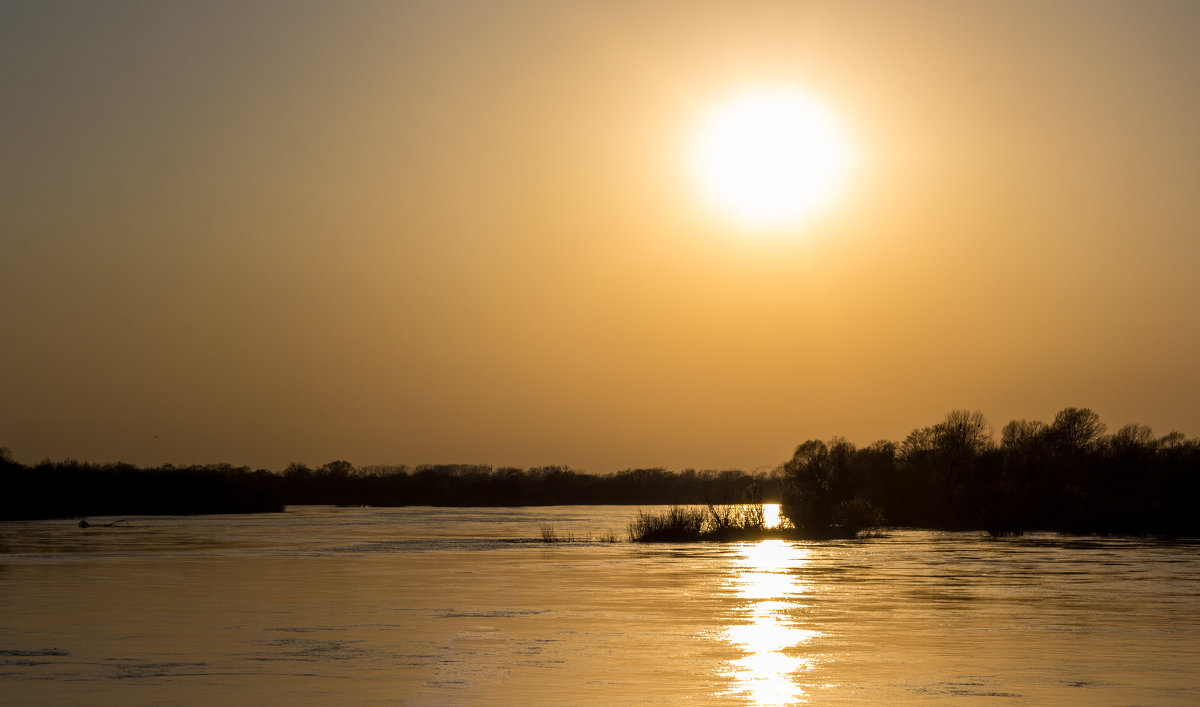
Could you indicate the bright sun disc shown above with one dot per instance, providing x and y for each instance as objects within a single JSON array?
[{"x": 769, "y": 158}]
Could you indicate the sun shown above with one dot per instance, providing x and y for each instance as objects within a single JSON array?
[{"x": 769, "y": 158}]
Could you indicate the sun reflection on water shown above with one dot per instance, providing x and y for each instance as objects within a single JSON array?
[
  {"x": 771, "y": 516},
  {"x": 768, "y": 636}
]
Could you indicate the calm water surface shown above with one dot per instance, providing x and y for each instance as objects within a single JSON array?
[{"x": 431, "y": 606}]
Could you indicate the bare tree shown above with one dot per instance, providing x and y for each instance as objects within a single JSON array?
[{"x": 1076, "y": 429}]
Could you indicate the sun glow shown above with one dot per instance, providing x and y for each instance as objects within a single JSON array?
[
  {"x": 769, "y": 158},
  {"x": 771, "y": 516}
]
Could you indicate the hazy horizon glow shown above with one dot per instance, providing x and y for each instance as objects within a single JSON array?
[{"x": 467, "y": 232}]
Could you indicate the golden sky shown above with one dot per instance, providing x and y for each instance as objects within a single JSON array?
[{"x": 466, "y": 231}]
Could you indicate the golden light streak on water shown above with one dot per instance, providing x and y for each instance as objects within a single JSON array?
[{"x": 771, "y": 642}]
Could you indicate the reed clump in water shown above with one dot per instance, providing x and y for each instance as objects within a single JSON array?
[
  {"x": 740, "y": 522},
  {"x": 683, "y": 524},
  {"x": 677, "y": 524}
]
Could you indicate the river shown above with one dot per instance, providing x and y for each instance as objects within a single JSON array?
[{"x": 451, "y": 606}]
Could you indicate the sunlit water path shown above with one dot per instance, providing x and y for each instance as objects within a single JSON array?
[{"x": 466, "y": 606}]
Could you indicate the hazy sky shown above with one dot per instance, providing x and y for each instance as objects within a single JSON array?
[{"x": 466, "y": 231}]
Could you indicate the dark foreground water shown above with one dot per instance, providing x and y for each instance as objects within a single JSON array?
[{"x": 466, "y": 606}]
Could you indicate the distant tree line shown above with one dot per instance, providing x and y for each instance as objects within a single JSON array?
[
  {"x": 1066, "y": 476},
  {"x": 72, "y": 489},
  {"x": 480, "y": 485}
]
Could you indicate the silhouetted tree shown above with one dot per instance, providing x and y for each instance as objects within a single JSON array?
[
  {"x": 822, "y": 490},
  {"x": 963, "y": 433},
  {"x": 1022, "y": 435},
  {"x": 1076, "y": 430},
  {"x": 807, "y": 498},
  {"x": 959, "y": 442}
]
